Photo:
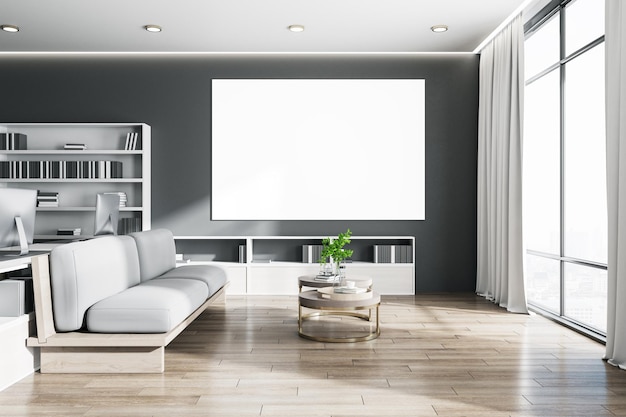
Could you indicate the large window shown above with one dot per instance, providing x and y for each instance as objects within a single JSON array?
[{"x": 565, "y": 211}]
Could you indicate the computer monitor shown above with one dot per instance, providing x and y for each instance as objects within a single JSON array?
[
  {"x": 107, "y": 214},
  {"x": 17, "y": 218}
]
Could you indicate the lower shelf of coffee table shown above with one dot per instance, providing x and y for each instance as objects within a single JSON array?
[{"x": 326, "y": 331}]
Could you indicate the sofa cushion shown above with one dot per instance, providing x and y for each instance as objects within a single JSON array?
[
  {"x": 83, "y": 273},
  {"x": 156, "y": 306},
  {"x": 213, "y": 276},
  {"x": 157, "y": 252}
]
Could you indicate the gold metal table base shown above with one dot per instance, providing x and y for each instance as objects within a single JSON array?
[{"x": 339, "y": 311}]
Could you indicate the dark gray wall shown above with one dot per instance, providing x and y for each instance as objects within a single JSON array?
[{"x": 173, "y": 95}]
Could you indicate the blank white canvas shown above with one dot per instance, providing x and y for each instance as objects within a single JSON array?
[{"x": 306, "y": 149}]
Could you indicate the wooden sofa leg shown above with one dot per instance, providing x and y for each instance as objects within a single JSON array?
[{"x": 81, "y": 360}]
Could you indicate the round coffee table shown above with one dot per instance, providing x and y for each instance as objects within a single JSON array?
[
  {"x": 334, "y": 307},
  {"x": 310, "y": 281}
]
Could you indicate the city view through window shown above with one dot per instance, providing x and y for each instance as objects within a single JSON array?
[{"x": 565, "y": 215}]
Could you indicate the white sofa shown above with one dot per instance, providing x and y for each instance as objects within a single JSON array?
[{"x": 113, "y": 293}]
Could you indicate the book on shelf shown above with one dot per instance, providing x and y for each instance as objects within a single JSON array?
[
  {"x": 12, "y": 141},
  {"x": 311, "y": 253},
  {"x": 61, "y": 169},
  {"x": 180, "y": 259},
  {"x": 127, "y": 143},
  {"x": 75, "y": 146},
  {"x": 47, "y": 199},
  {"x": 393, "y": 254},
  {"x": 69, "y": 231},
  {"x": 128, "y": 225},
  {"x": 122, "y": 195},
  {"x": 132, "y": 139}
]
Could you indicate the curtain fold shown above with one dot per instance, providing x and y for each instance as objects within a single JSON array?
[
  {"x": 500, "y": 254},
  {"x": 615, "y": 43}
]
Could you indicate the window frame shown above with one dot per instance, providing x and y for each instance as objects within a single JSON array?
[{"x": 535, "y": 23}]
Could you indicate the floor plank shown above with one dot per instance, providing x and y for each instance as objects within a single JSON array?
[{"x": 438, "y": 355}]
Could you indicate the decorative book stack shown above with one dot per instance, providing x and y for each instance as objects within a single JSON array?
[
  {"x": 75, "y": 146},
  {"x": 123, "y": 197},
  {"x": 69, "y": 231},
  {"x": 47, "y": 199},
  {"x": 326, "y": 278}
]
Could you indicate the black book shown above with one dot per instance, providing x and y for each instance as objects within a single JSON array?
[{"x": 12, "y": 141}]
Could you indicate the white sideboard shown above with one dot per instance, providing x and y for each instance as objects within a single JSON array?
[{"x": 272, "y": 264}]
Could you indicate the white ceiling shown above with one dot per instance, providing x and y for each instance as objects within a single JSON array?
[{"x": 250, "y": 26}]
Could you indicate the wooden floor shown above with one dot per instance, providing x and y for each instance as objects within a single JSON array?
[{"x": 438, "y": 355}]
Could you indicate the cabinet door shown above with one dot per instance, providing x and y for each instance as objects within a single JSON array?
[
  {"x": 16, "y": 360},
  {"x": 279, "y": 280},
  {"x": 237, "y": 277},
  {"x": 393, "y": 279}
]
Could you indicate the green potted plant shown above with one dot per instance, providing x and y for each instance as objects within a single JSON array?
[{"x": 333, "y": 250}]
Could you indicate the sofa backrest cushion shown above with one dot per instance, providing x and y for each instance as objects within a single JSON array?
[
  {"x": 83, "y": 273},
  {"x": 157, "y": 252}
]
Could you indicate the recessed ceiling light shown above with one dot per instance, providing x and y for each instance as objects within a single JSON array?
[
  {"x": 153, "y": 28},
  {"x": 296, "y": 28},
  {"x": 10, "y": 28},
  {"x": 439, "y": 28}
]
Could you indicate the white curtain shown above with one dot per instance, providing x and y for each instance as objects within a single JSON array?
[
  {"x": 500, "y": 257},
  {"x": 615, "y": 43}
]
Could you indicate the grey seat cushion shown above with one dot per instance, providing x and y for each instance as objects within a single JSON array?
[
  {"x": 214, "y": 277},
  {"x": 155, "y": 306}
]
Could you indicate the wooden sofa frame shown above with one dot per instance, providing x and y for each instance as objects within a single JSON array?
[{"x": 84, "y": 352}]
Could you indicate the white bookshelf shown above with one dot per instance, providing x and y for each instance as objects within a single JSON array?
[
  {"x": 273, "y": 264},
  {"x": 77, "y": 196}
]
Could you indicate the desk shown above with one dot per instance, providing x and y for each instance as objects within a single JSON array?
[{"x": 33, "y": 250}]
